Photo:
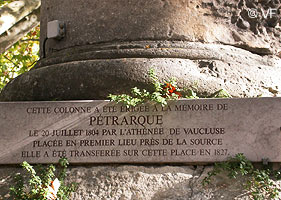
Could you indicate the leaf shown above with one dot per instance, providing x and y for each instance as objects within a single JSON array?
[{"x": 20, "y": 58}]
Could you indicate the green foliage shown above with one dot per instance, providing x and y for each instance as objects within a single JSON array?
[
  {"x": 37, "y": 184},
  {"x": 4, "y": 2},
  {"x": 220, "y": 94},
  {"x": 191, "y": 94},
  {"x": 161, "y": 93},
  {"x": 262, "y": 185},
  {"x": 234, "y": 166},
  {"x": 260, "y": 181},
  {"x": 20, "y": 58}
]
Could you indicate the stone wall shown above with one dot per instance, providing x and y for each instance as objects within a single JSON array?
[
  {"x": 136, "y": 182},
  {"x": 210, "y": 44}
]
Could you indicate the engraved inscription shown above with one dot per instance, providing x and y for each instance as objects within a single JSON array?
[{"x": 101, "y": 132}]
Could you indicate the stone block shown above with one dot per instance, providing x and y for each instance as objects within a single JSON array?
[{"x": 185, "y": 131}]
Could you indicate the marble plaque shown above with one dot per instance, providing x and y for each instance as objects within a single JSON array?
[{"x": 185, "y": 131}]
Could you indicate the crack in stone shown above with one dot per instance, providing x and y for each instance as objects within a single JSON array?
[{"x": 197, "y": 173}]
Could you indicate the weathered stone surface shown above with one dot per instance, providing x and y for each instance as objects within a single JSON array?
[
  {"x": 206, "y": 21},
  {"x": 251, "y": 25},
  {"x": 128, "y": 182},
  {"x": 120, "y": 42},
  {"x": 14, "y": 12},
  {"x": 208, "y": 68},
  {"x": 185, "y": 131}
]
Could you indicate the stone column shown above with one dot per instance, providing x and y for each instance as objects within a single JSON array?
[{"x": 109, "y": 47}]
